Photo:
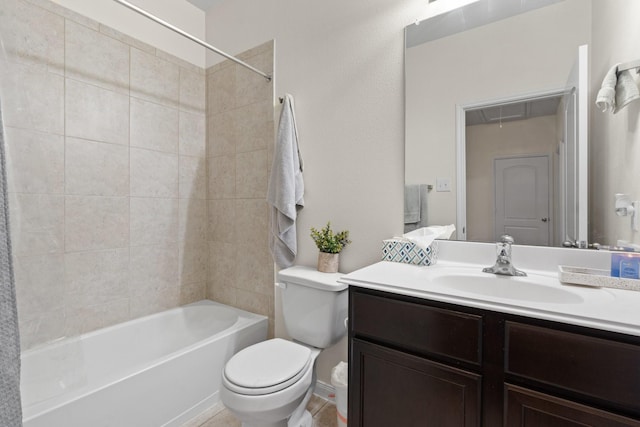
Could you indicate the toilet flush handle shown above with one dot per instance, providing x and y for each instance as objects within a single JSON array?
[{"x": 282, "y": 286}]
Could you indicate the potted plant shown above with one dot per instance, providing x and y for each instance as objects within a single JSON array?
[{"x": 329, "y": 244}]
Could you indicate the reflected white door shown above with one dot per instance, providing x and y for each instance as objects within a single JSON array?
[{"x": 522, "y": 199}]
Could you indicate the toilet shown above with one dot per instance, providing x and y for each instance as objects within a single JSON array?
[{"x": 270, "y": 383}]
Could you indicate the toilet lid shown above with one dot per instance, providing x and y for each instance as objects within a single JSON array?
[{"x": 268, "y": 366}]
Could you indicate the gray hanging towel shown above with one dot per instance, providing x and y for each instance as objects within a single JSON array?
[
  {"x": 10, "y": 404},
  {"x": 286, "y": 188}
]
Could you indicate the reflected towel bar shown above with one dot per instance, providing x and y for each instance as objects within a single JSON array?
[{"x": 190, "y": 37}]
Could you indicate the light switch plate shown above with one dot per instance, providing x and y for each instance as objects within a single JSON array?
[{"x": 443, "y": 184}]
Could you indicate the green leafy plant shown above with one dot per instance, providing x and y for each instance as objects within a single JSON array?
[{"x": 328, "y": 241}]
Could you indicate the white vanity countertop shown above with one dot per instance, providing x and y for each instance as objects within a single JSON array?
[{"x": 540, "y": 295}]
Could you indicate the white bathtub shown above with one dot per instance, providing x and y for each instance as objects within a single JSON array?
[{"x": 159, "y": 370}]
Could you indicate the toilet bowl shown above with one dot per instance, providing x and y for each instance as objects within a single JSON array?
[
  {"x": 270, "y": 383},
  {"x": 282, "y": 388}
]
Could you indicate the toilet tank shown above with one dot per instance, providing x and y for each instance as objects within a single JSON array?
[{"x": 314, "y": 305}]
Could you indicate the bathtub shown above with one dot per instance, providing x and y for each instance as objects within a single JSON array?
[{"x": 159, "y": 370}]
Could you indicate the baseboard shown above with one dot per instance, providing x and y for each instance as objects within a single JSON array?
[{"x": 325, "y": 391}]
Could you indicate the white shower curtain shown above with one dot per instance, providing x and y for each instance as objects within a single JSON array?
[{"x": 10, "y": 404}]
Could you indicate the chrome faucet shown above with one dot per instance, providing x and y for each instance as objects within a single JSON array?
[{"x": 503, "y": 264}]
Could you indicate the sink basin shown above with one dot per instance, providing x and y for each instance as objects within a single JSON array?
[{"x": 538, "y": 289}]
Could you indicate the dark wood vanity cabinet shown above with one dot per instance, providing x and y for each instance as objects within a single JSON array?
[{"x": 416, "y": 362}]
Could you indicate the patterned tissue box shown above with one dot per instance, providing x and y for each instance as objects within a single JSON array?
[{"x": 400, "y": 251}]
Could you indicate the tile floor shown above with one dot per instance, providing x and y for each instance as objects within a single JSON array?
[{"x": 323, "y": 411}]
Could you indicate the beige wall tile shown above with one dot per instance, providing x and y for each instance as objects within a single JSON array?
[
  {"x": 254, "y": 126},
  {"x": 81, "y": 193},
  {"x": 254, "y": 268},
  {"x": 153, "y": 174},
  {"x": 183, "y": 64},
  {"x": 32, "y": 35},
  {"x": 254, "y": 302},
  {"x": 193, "y": 177},
  {"x": 221, "y": 133},
  {"x": 251, "y": 174},
  {"x": 222, "y": 177},
  {"x": 221, "y": 90},
  {"x": 240, "y": 131},
  {"x": 154, "y": 221},
  {"x": 154, "y": 79},
  {"x": 96, "y": 168},
  {"x": 40, "y": 327},
  {"x": 127, "y": 40},
  {"x": 222, "y": 293},
  {"x": 192, "y": 134},
  {"x": 252, "y": 221},
  {"x": 95, "y": 58},
  {"x": 39, "y": 284},
  {"x": 96, "y": 223},
  {"x": 37, "y": 223},
  {"x": 193, "y": 221},
  {"x": 154, "y": 302},
  {"x": 32, "y": 98},
  {"x": 153, "y": 269},
  {"x": 193, "y": 91},
  {"x": 192, "y": 292},
  {"x": 97, "y": 276},
  {"x": 154, "y": 126},
  {"x": 88, "y": 317},
  {"x": 193, "y": 259},
  {"x": 222, "y": 264},
  {"x": 222, "y": 218},
  {"x": 35, "y": 161},
  {"x": 64, "y": 12},
  {"x": 252, "y": 87},
  {"x": 95, "y": 113},
  {"x": 266, "y": 47}
]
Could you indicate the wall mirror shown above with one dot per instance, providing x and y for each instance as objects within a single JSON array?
[{"x": 497, "y": 121}]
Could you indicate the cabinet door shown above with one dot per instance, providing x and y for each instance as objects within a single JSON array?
[
  {"x": 392, "y": 388},
  {"x": 527, "y": 408}
]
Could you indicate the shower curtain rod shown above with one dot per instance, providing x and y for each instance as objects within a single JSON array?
[{"x": 190, "y": 37}]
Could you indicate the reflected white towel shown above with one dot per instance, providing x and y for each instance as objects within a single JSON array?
[
  {"x": 617, "y": 90},
  {"x": 286, "y": 188},
  {"x": 411, "y": 203}
]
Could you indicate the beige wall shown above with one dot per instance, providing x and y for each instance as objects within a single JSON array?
[
  {"x": 106, "y": 166},
  {"x": 239, "y": 146},
  {"x": 614, "y": 138},
  {"x": 490, "y": 62},
  {"x": 487, "y": 142}
]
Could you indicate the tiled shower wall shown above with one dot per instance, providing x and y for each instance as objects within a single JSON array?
[
  {"x": 107, "y": 172},
  {"x": 240, "y": 130},
  {"x": 113, "y": 213}
]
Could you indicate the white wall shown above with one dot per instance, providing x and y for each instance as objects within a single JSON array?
[
  {"x": 343, "y": 63},
  {"x": 614, "y": 138},
  {"x": 180, "y": 13}
]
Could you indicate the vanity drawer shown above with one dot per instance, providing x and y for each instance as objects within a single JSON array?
[
  {"x": 602, "y": 369},
  {"x": 417, "y": 328}
]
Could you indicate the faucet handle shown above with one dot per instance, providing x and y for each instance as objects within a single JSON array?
[{"x": 505, "y": 238}]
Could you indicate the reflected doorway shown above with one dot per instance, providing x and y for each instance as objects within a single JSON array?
[{"x": 529, "y": 128}]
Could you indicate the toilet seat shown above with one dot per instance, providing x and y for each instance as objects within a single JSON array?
[{"x": 267, "y": 367}]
